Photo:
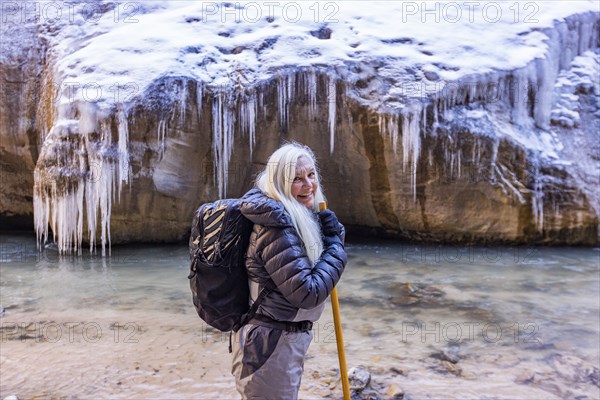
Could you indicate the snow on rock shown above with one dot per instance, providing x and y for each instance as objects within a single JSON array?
[
  {"x": 581, "y": 78},
  {"x": 404, "y": 60}
]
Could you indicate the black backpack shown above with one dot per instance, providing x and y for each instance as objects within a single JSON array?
[{"x": 218, "y": 277}]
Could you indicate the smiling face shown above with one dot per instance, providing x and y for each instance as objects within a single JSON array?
[{"x": 305, "y": 183}]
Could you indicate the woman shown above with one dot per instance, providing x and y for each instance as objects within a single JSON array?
[{"x": 298, "y": 255}]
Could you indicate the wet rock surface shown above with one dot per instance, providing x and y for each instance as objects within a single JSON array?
[
  {"x": 574, "y": 369},
  {"x": 568, "y": 376},
  {"x": 416, "y": 295},
  {"x": 448, "y": 356},
  {"x": 358, "y": 378},
  {"x": 565, "y": 377},
  {"x": 362, "y": 386}
]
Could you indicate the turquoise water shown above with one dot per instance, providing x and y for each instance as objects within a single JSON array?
[{"x": 437, "y": 321}]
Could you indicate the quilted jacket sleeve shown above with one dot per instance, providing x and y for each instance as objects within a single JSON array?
[{"x": 285, "y": 259}]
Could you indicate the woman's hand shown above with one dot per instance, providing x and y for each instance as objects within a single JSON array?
[{"x": 330, "y": 226}]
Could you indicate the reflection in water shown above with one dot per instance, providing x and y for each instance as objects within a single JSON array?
[{"x": 435, "y": 321}]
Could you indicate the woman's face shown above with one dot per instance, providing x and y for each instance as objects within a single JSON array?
[{"x": 305, "y": 184}]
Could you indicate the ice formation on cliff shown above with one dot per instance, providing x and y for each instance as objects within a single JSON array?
[{"x": 413, "y": 65}]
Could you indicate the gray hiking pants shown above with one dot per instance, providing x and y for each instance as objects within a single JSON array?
[{"x": 268, "y": 363}]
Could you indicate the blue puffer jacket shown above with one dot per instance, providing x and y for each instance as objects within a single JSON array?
[{"x": 277, "y": 252}]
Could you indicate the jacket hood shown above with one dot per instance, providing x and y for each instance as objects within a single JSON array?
[{"x": 264, "y": 210}]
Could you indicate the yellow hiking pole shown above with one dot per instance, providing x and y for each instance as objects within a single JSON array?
[{"x": 339, "y": 337}]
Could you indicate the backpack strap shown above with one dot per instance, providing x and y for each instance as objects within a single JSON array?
[{"x": 269, "y": 287}]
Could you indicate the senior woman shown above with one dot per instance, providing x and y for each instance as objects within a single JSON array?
[{"x": 298, "y": 253}]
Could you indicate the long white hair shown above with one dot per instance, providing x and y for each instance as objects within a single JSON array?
[{"x": 276, "y": 181}]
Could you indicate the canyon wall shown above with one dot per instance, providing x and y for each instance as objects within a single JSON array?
[{"x": 495, "y": 158}]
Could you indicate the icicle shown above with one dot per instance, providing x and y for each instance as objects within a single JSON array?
[
  {"x": 332, "y": 100},
  {"x": 54, "y": 213},
  {"x": 311, "y": 88},
  {"x": 472, "y": 90},
  {"x": 228, "y": 130},
  {"x": 104, "y": 190},
  {"x": 223, "y": 129},
  {"x": 261, "y": 103},
  {"x": 285, "y": 93},
  {"x": 459, "y": 161},
  {"x": 548, "y": 69},
  {"x": 395, "y": 132},
  {"x": 248, "y": 119},
  {"x": 537, "y": 200},
  {"x": 91, "y": 203},
  {"x": 411, "y": 144},
  {"x": 199, "y": 94},
  {"x": 217, "y": 114},
  {"x": 79, "y": 204},
  {"x": 41, "y": 211},
  {"x": 282, "y": 101},
  {"x": 385, "y": 127},
  {"x": 436, "y": 106},
  {"x": 389, "y": 128},
  {"x": 252, "y": 123},
  {"x": 291, "y": 84},
  {"x": 106, "y": 195},
  {"x": 494, "y": 152},
  {"x": 69, "y": 222},
  {"x": 161, "y": 132},
  {"x": 123, "y": 152},
  {"x": 475, "y": 165},
  {"x": 182, "y": 104},
  {"x": 424, "y": 119},
  {"x": 524, "y": 80}
]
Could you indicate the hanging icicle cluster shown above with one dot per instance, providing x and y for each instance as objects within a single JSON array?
[
  {"x": 85, "y": 166},
  {"x": 232, "y": 109}
]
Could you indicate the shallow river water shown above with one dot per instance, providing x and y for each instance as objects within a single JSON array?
[{"x": 433, "y": 322}]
